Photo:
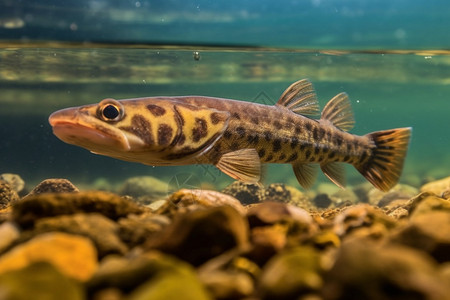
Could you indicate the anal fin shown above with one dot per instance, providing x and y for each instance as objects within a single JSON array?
[
  {"x": 243, "y": 165},
  {"x": 306, "y": 174},
  {"x": 335, "y": 172}
]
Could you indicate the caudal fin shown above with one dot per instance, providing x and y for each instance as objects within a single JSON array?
[{"x": 384, "y": 167}]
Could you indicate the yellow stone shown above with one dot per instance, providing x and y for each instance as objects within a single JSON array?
[{"x": 74, "y": 256}]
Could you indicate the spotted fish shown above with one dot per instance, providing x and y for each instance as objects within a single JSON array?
[{"x": 238, "y": 137}]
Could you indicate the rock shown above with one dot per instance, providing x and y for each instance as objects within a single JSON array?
[
  {"x": 199, "y": 235},
  {"x": 291, "y": 274},
  {"x": 275, "y": 225},
  {"x": 429, "y": 232},
  {"x": 14, "y": 180},
  {"x": 204, "y": 198},
  {"x": 344, "y": 196},
  {"x": 9, "y": 233},
  {"x": 39, "y": 281},
  {"x": 247, "y": 193},
  {"x": 437, "y": 187},
  {"x": 228, "y": 284},
  {"x": 34, "y": 207},
  {"x": 101, "y": 230},
  {"x": 145, "y": 189},
  {"x": 54, "y": 186},
  {"x": 298, "y": 198},
  {"x": 322, "y": 201},
  {"x": 269, "y": 213},
  {"x": 8, "y": 196},
  {"x": 400, "y": 191},
  {"x": 426, "y": 202},
  {"x": 136, "y": 229},
  {"x": 72, "y": 255},
  {"x": 363, "y": 270},
  {"x": 366, "y": 219},
  {"x": 152, "y": 275},
  {"x": 277, "y": 192}
]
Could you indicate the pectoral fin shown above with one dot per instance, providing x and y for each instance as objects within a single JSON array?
[{"x": 243, "y": 165}]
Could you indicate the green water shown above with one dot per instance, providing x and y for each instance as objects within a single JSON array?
[{"x": 387, "y": 90}]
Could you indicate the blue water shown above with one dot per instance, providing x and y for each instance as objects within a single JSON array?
[{"x": 389, "y": 56}]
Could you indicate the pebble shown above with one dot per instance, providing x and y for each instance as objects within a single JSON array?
[
  {"x": 72, "y": 255},
  {"x": 8, "y": 196},
  {"x": 438, "y": 187},
  {"x": 15, "y": 181},
  {"x": 34, "y": 207},
  {"x": 54, "y": 185}
]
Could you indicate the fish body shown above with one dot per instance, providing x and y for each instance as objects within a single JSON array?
[{"x": 237, "y": 136}]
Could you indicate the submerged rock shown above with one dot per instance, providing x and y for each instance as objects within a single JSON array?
[
  {"x": 145, "y": 189},
  {"x": 34, "y": 207},
  {"x": 54, "y": 186},
  {"x": 291, "y": 274},
  {"x": 247, "y": 193},
  {"x": 200, "y": 235},
  {"x": 363, "y": 270},
  {"x": 8, "y": 196},
  {"x": 438, "y": 187},
  {"x": 72, "y": 255},
  {"x": 39, "y": 281},
  {"x": 15, "y": 181}
]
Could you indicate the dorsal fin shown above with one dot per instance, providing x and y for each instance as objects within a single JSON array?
[
  {"x": 300, "y": 98},
  {"x": 338, "y": 112}
]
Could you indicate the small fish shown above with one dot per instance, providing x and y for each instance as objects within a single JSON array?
[{"x": 238, "y": 137}]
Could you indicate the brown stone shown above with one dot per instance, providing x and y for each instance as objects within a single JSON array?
[
  {"x": 72, "y": 255},
  {"x": 429, "y": 232},
  {"x": 8, "y": 196},
  {"x": 54, "y": 185},
  {"x": 364, "y": 270},
  {"x": 246, "y": 193},
  {"x": 199, "y": 235},
  {"x": 34, "y": 207},
  {"x": 136, "y": 229},
  {"x": 437, "y": 187},
  {"x": 14, "y": 180},
  {"x": 102, "y": 231}
]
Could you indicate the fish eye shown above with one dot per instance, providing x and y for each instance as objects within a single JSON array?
[{"x": 110, "y": 110}]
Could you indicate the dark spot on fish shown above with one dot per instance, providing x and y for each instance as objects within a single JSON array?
[
  {"x": 316, "y": 133},
  {"x": 308, "y": 126},
  {"x": 282, "y": 157},
  {"x": 253, "y": 139},
  {"x": 254, "y": 120},
  {"x": 331, "y": 155},
  {"x": 277, "y": 124},
  {"x": 141, "y": 128},
  {"x": 227, "y": 134},
  {"x": 316, "y": 150},
  {"x": 234, "y": 146},
  {"x": 181, "y": 139},
  {"x": 338, "y": 140},
  {"x": 200, "y": 129},
  {"x": 312, "y": 158},
  {"x": 236, "y": 116},
  {"x": 216, "y": 118},
  {"x": 297, "y": 129},
  {"x": 321, "y": 158},
  {"x": 349, "y": 147},
  {"x": 267, "y": 135},
  {"x": 321, "y": 133},
  {"x": 325, "y": 150},
  {"x": 164, "y": 134},
  {"x": 347, "y": 158},
  {"x": 261, "y": 153},
  {"x": 269, "y": 157},
  {"x": 276, "y": 145},
  {"x": 292, "y": 157},
  {"x": 156, "y": 110},
  {"x": 307, "y": 154},
  {"x": 294, "y": 142},
  {"x": 240, "y": 131}
]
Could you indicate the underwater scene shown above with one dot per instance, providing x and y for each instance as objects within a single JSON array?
[{"x": 224, "y": 203}]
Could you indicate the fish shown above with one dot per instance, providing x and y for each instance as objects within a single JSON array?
[{"x": 238, "y": 137}]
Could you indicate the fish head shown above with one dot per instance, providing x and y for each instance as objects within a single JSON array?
[{"x": 152, "y": 131}]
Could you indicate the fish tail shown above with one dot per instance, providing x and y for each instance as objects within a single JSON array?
[{"x": 384, "y": 167}]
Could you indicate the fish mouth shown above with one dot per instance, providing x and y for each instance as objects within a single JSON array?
[{"x": 92, "y": 136}]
